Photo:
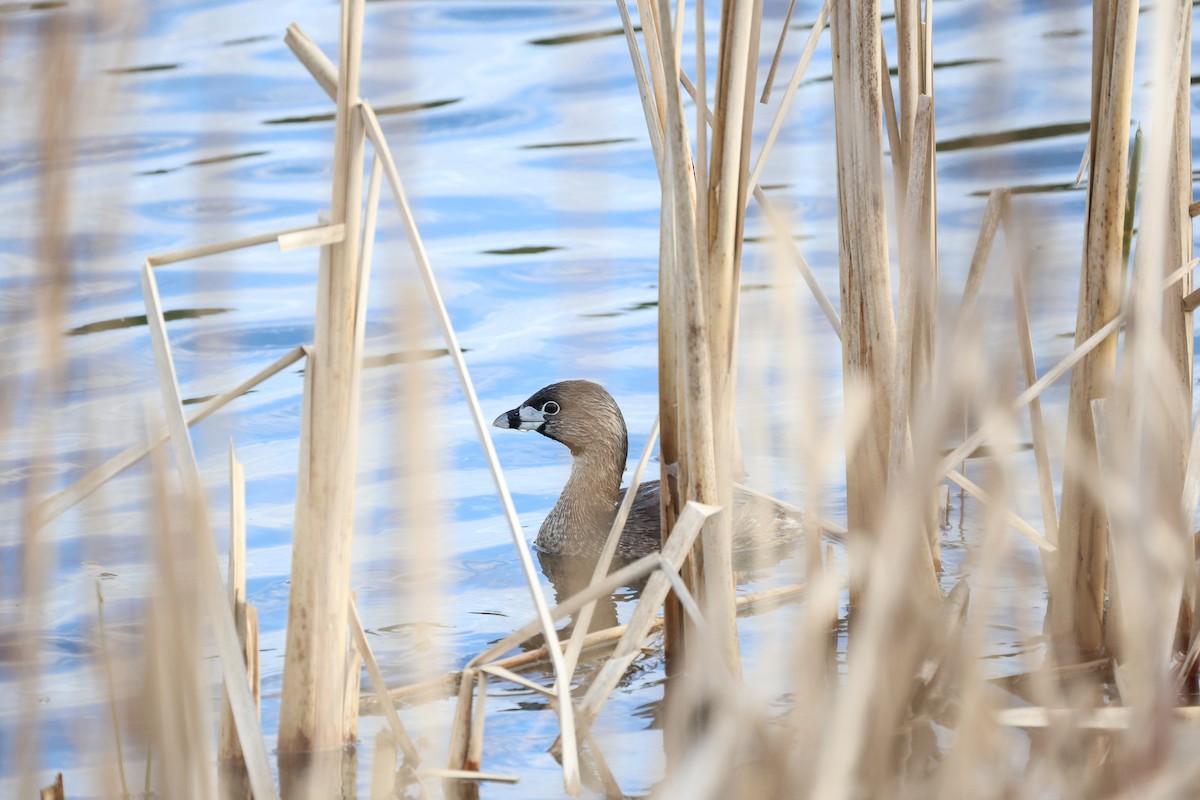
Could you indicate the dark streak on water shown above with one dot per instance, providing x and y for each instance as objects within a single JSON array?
[
  {"x": 407, "y": 357},
  {"x": 643, "y": 306},
  {"x": 1014, "y": 135},
  {"x": 586, "y": 36},
  {"x": 585, "y": 143},
  {"x": 380, "y": 111},
  {"x": 1034, "y": 188},
  {"x": 142, "y": 68},
  {"x": 17, "y": 8},
  {"x": 140, "y": 319},
  {"x": 200, "y": 162},
  {"x": 527, "y": 250},
  {"x": 245, "y": 40}
]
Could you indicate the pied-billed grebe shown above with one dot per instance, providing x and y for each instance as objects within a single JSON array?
[{"x": 584, "y": 417}]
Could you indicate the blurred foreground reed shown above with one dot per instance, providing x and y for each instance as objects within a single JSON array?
[{"x": 1107, "y": 712}]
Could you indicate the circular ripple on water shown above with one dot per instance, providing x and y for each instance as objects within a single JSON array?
[
  {"x": 474, "y": 16},
  {"x": 283, "y": 171}
]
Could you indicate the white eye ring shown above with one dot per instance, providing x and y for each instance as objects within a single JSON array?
[{"x": 550, "y": 408}]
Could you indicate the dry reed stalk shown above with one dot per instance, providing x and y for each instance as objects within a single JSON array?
[
  {"x": 719, "y": 272},
  {"x": 512, "y": 677},
  {"x": 891, "y": 125},
  {"x": 911, "y": 280},
  {"x": 352, "y": 688},
  {"x": 412, "y": 757},
  {"x": 979, "y": 258},
  {"x": 765, "y": 97},
  {"x": 228, "y": 748},
  {"x": 1107, "y": 718},
  {"x": 1051, "y": 375},
  {"x": 917, "y": 228},
  {"x": 896, "y": 628},
  {"x": 466, "y": 775},
  {"x": 1179, "y": 328},
  {"x": 649, "y": 109},
  {"x": 651, "y": 17},
  {"x": 1077, "y": 595},
  {"x": 313, "y": 58},
  {"x": 695, "y": 364},
  {"x": 1016, "y": 266},
  {"x": 810, "y": 47},
  {"x": 677, "y": 545},
  {"x": 624, "y": 576},
  {"x": 565, "y": 710},
  {"x": 54, "y": 791},
  {"x": 475, "y": 739},
  {"x": 445, "y": 686},
  {"x": 383, "y": 766},
  {"x": 868, "y": 329},
  {"x": 204, "y": 553},
  {"x": 175, "y": 706},
  {"x": 781, "y": 229},
  {"x": 584, "y": 623},
  {"x": 110, "y": 685},
  {"x": 1024, "y": 528},
  {"x": 1152, "y": 548},
  {"x": 318, "y": 236},
  {"x": 297, "y": 237},
  {"x": 53, "y": 506},
  {"x": 460, "y": 731},
  {"x": 311, "y": 710}
]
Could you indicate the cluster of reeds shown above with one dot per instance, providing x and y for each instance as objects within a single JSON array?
[{"x": 914, "y": 713}]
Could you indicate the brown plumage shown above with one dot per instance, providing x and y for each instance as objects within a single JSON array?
[{"x": 585, "y": 418}]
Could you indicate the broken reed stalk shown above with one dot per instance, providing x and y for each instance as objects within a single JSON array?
[
  {"x": 447, "y": 685},
  {"x": 412, "y": 757},
  {"x": 311, "y": 712},
  {"x": 1077, "y": 595},
  {"x": 53, "y": 506},
  {"x": 460, "y": 731},
  {"x": 1020, "y": 257},
  {"x": 245, "y": 617},
  {"x": 570, "y": 761},
  {"x": 322, "y": 70},
  {"x": 383, "y": 766},
  {"x": 678, "y": 544},
  {"x": 111, "y": 686},
  {"x": 178, "y": 729},
  {"x": 918, "y": 230},
  {"x": 233, "y": 665},
  {"x": 769, "y": 82},
  {"x": 1051, "y": 375},
  {"x": 868, "y": 329},
  {"x": 810, "y": 47}
]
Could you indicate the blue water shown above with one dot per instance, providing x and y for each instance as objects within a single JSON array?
[{"x": 186, "y": 132}]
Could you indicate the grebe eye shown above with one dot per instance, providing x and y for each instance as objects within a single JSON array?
[{"x": 550, "y": 408}]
